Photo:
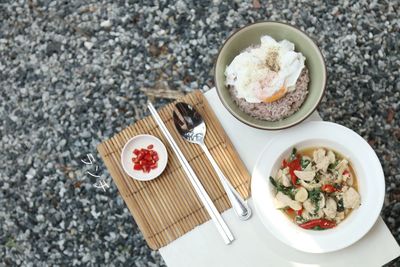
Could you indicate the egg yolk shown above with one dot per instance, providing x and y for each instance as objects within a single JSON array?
[{"x": 278, "y": 95}]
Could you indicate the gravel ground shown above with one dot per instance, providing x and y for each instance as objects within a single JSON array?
[{"x": 72, "y": 73}]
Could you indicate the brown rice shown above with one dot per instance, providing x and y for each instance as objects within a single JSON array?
[{"x": 279, "y": 109}]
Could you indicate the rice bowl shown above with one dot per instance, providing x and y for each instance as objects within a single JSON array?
[{"x": 249, "y": 36}]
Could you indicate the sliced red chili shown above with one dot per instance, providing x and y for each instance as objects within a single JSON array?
[
  {"x": 284, "y": 163},
  {"x": 323, "y": 223},
  {"x": 146, "y": 159},
  {"x": 294, "y": 165},
  {"x": 299, "y": 212},
  {"x": 153, "y": 166},
  {"x": 328, "y": 188},
  {"x": 140, "y": 156}
]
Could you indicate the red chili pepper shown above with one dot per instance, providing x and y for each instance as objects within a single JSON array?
[
  {"x": 140, "y": 156},
  {"x": 294, "y": 165},
  {"x": 324, "y": 224},
  {"x": 346, "y": 172},
  {"x": 328, "y": 188},
  {"x": 299, "y": 212},
  {"x": 145, "y": 159},
  {"x": 146, "y": 168},
  {"x": 294, "y": 178},
  {"x": 153, "y": 166},
  {"x": 284, "y": 163}
]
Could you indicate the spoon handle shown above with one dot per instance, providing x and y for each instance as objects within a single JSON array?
[{"x": 238, "y": 204}]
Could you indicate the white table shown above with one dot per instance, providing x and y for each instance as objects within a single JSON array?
[{"x": 254, "y": 245}]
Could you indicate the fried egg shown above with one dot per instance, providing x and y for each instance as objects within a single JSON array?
[{"x": 267, "y": 72}]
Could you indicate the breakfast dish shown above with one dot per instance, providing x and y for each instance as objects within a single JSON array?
[
  {"x": 268, "y": 81},
  {"x": 316, "y": 188}
]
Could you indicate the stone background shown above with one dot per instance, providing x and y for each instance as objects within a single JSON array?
[{"x": 73, "y": 73}]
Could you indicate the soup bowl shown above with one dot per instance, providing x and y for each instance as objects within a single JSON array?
[{"x": 369, "y": 175}]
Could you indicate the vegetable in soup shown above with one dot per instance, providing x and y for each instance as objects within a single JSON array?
[{"x": 316, "y": 188}]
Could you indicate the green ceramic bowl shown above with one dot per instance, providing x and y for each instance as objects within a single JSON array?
[{"x": 250, "y": 35}]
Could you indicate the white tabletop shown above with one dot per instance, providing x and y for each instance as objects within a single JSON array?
[{"x": 254, "y": 245}]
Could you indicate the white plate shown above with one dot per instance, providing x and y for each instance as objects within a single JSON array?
[
  {"x": 138, "y": 142},
  {"x": 369, "y": 175}
]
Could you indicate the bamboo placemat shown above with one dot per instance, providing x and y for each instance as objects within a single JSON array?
[{"x": 167, "y": 207}]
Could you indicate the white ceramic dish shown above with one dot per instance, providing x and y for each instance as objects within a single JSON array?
[
  {"x": 142, "y": 141},
  {"x": 368, "y": 171}
]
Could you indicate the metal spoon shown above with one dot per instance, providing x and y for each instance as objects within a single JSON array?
[{"x": 191, "y": 127}]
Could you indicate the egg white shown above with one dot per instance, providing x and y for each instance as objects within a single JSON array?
[{"x": 254, "y": 80}]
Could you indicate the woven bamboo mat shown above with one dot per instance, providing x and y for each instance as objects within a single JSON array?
[{"x": 167, "y": 207}]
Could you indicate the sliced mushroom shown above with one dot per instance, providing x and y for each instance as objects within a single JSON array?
[
  {"x": 319, "y": 154},
  {"x": 348, "y": 178},
  {"x": 331, "y": 156},
  {"x": 301, "y": 194},
  {"x": 283, "y": 178},
  {"x": 296, "y": 205},
  {"x": 323, "y": 164},
  {"x": 321, "y": 161},
  {"x": 331, "y": 208},
  {"x": 351, "y": 199},
  {"x": 305, "y": 175},
  {"x": 309, "y": 167},
  {"x": 285, "y": 170},
  {"x": 310, "y": 186},
  {"x": 342, "y": 166},
  {"x": 309, "y": 206},
  {"x": 283, "y": 201},
  {"x": 279, "y": 175},
  {"x": 331, "y": 204},
  {"x": 286, "y": 180}
]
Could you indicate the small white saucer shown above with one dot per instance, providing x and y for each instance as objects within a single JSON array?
[{"x": 138, "y": 142}]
